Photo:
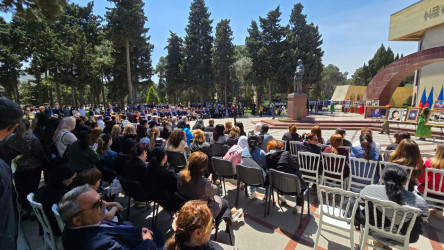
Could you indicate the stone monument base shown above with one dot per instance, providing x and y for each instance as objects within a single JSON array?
[{"x": 297, "y": 106}]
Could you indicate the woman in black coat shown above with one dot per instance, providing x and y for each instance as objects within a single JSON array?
[
  {"x": 161, "y": 182},
  {"x": 61, "y": 178},
  {"x": 291, "y": 135}
]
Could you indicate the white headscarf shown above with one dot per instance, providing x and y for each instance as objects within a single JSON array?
[
  {"x": 241, "y": 144},
  {"x": 66, "y": 125}
]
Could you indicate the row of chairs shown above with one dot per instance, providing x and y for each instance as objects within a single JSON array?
[{"x": 338, "y": 209}]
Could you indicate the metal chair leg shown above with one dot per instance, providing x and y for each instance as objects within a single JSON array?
[{"x": 128, "y": 208}]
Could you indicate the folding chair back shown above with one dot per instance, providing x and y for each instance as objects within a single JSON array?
[
  {"x": 385, "y": 222},
  {"x": 362, "y": 173},
  {"x": 48, "y": 235},
  {"x": 176, "y": 160},
  {"x": 434, "y": 187},
  {"x": 385, "y": 154},
  {"x": 333, "y": 167},
  {"x": 224, "y": 169},
  {"x": 285, "y": 144},
  {"x": 308, "y": 165},
  {"x": 383, "y": 164},
  {"x": 290, "y": 184},
  {"x": 218, "y": 149},
  {"x": 337, "y": 209},
  {"x": 208, "y": 136},
  {"x": 294, "y": 148},
  {"x": 55, "y": 210}
]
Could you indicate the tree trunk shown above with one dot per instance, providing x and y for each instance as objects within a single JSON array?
[
  {"x": 17, "y": 95},
  {"x": 128, "y": 72},
  {"x": 269, "y": 94},
  {"x": 102, "y": 87},
  {"x": 225, "y": 94},
  {"x": 57, "y": 85}
]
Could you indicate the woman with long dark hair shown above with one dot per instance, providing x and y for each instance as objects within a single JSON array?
[
  {"x": 218, "y": 134},
  {"x": 161, "y": 182},
  {"x": 365, "y": 150},
  {"x": 192, "y": 184},
  {"x": 394, "y": 178},
  {"x": 135, "y": 168}
]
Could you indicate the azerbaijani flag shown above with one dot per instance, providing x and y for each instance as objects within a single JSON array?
[
  {"x": 423, "y": 100},
  {"x": 429, "y": 102},
  {"x": 441, "y": 95}
]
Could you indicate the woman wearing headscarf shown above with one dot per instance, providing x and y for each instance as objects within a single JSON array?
[
  {"x": 63, "y": 137},
  {"x": 234, "y": 154}
]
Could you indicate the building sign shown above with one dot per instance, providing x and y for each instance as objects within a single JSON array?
[{"x": 434, "y": 12}]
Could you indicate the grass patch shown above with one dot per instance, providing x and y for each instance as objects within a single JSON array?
[{"x": 284, "y": 119}]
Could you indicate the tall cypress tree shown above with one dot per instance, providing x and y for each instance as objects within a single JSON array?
[
  {"x": 223, "y": 58},
  {"x": 272, "y": 51},
  {"x": 174, "y": 60},
  {"x": 198, "y": 46},
  {"x": 254, "y": 43},
  {"x": 126, "y": 28},
  {"x": 304, "y": 41}
]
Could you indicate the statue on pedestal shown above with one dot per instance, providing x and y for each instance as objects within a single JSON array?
[{"x": 297, "y": 83}]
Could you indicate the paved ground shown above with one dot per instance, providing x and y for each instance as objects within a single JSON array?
[{"x": 280, "y": 229}]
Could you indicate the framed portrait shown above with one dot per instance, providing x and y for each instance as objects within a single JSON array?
[
  {"x": 412, "y": 115},
  {"x": 436, "y": 118},
  {"x": 396, "y": 115},
  {"x": 439, "y": 104},
  {"x": 376, "y": 112}
]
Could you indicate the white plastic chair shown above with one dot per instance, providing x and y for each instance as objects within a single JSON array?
[
  {"x": 437, "y": 180},
  {"x": 308, "y": 165},
  {"x": 383, "y": 164},
  {"x": 385, "y": 154},
  {"x": 285, "y": 144},
  {"x": 396, "y": 215},
  {"x": 339, "y": 215},
  {"x": 48, "y": 236},
  {"x": 294, "y": 148},
  {"x": 333, "y": 165},
  {"x": 55, "y": 210},
  {"x": 362, "y": 173}
]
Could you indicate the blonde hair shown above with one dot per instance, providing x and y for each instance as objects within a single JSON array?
[
  {"x": 129, "y": 130},
  {"x": 438, "y": 160},
  {"x": 154, "y": 133},
  {"x": 199, "y": 136},
  {"x": 407, "y": 153},
  {"x": 95, "y": 134},
  {"x": 116, "y": 130},
  {"x": 228, "y": 126},
  {"x": 235, "y": 132},
  {"x": 197, "y": 163},
  {"x": 193, "y": 215},
  {"x": 336, "y": 141},
  {"x": 102, "y": 144}
]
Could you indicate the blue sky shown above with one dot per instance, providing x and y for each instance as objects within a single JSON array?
[{"x": 352, "y": 30}]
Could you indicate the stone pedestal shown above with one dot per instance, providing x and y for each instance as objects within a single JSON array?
[{"x": 297, "y": 106}]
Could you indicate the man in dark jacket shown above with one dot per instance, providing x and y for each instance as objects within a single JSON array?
[
  {"x": 10, "y": 116},
  {"x": 310, "y": 145},
  {"x": 83, "y": 211}
]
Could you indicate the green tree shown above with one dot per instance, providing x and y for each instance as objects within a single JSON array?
[
  {"x": 223, "y": 59},
  {"x": 198, "y": 45},
  {"x": 160, "y": 70},
  {"x": 242, "y": 68},
  {"x": 34, "y": 9},
  {"x": 381, "y": 59},
  {"x": 10, "y": 60},
  {"x": 253, "y": 43},
  {"x": 272, "y": 50},
  {"x": 152, "y": 96},
  {"x": 304, "y": 41},
  {"x": 126, "y": 28},
  {"x": 174, "y": 60},
  {"x": 331, "y": 77}
]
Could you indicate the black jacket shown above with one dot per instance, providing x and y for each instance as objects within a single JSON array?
[
  {"x": 135, "y": 170},
  {"x": 8, "y": 209}
]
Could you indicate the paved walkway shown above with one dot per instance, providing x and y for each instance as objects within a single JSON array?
[{"x": 280, "y": 229}]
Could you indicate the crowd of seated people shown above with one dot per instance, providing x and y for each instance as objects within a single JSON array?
[{"x": 83, "y": 154}]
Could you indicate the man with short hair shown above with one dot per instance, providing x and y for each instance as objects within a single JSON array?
[
  {"x": 210, "y": 127},
  {"x": 265, "y": 136},
  {"x": 83, "y": 210},
  {"x": 10, "y": 116},
  {"x": 345, "y": 142}
]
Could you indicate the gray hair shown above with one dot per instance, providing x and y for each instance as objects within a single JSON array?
[
  {"x": 10, "y": 113},
  {"x": 68, "y": 206}
]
